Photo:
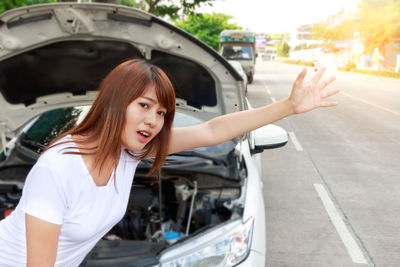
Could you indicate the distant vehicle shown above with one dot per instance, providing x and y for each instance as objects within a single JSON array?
[
  {"x": 238, "y": 67},
  {"x": 241, "y": 46},
  {"x": 269, "y": 54}
]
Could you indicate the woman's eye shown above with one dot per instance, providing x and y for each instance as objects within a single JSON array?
[
  {"x": 144, "y": 105},
  {"x": 161, "y": 113}
]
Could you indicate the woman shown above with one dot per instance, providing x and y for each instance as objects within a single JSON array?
[{"x": 79, "y": 187}]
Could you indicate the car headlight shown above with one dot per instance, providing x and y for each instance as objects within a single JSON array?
[{"x": 227, "y": 245}]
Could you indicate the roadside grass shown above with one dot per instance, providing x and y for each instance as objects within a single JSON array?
[
  {"x": 296, "y": 62},
  {"x": 373, "y": 72}
]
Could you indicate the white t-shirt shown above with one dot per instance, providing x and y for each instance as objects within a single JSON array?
[{"x": 59, "y": 189}]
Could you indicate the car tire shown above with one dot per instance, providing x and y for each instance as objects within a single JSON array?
[{"x": 250, "y": 78}]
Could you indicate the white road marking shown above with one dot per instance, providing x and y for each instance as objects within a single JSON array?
[
  {"x": 273, "y": 99},
  {"x": 266, "y": 87},
  {"x": 295, "y": 141},
  {"x": 351, "y": 245}
]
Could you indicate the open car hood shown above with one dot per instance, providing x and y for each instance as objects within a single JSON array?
[{"x": 55, "y": 55}]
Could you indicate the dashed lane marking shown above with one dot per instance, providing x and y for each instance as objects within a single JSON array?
[
  {"x": 295, "y": 141},
  {"x": 351, "y": 245}
]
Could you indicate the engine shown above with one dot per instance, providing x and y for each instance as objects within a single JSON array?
[
  {"x": 184, "y": 204},
  {"x": 178, "y": 204}
]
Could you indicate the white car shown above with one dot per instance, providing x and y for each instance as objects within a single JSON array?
[
  {"x": 206, "y": 207},
  {"x": 238, "y": 67}
]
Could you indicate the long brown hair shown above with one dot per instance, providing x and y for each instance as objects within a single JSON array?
[{"x": 105, "y": 120}]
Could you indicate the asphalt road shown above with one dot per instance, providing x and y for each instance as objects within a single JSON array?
[{"x": 332, "y": 194}]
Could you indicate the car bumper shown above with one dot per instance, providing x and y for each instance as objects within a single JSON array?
[{"x": 254, "y": 259}]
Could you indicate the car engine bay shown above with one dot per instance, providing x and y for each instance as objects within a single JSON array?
[
  {"x": 187, "y": 206},
  {"x": 196, "y": 198}
]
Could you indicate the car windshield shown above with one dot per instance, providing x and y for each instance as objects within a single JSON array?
[
  {"x": 237, "y": 52},
  {"x": 51, "y": 124}
]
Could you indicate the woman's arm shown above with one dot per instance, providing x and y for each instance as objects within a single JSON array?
[
  {"x": 302, "y": 98},
  {"x": 41, "y": 241}
]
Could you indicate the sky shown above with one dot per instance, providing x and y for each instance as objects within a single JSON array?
[{"x": 276, "y": 16}]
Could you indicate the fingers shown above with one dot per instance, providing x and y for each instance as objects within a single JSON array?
[
  {"x": 328, "y": 94},
  {"x": 326, "y": 83},
  {"x": 328, "y": 104},
  {"x": 299, "y": 80},
  {"x": 318, "y": 75}
]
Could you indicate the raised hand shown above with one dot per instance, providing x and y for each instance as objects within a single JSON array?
[{"x": 309, "y": 96}]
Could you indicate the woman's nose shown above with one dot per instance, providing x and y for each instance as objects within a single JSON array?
[{"x": 151, "y": 118}]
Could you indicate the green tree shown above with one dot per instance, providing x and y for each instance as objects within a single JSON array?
[
  {"x": 340, "y": 33},
  {"x": 207, "y": 27},
  {"x": 331, "y": 35},
  {"x": 172, "y": 9},
  {"x": 283, "y": 50},
  {"x": 10, "y": 4},
  {"x": 379, "y": 23}
]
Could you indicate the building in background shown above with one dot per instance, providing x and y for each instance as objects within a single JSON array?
[
  {"x": 302, "y": 38},
  {"x": 267, "y": 44}
]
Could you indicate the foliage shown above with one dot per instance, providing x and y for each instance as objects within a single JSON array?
[
  {"x": 10, "y": 4},
  {"x": 373, "y": 72},
  {"x": 172, "y": 9},
  {"x": 343, "y": 32},
  {"x": 351, "y": 65},
  {"x": 283, "y": 50},
  {"x": 306, "y": 46},
  {"x": 331, "y": 35},
  {"x": 207, "y": 27},
  {"x": 131, "y": 3},
  {"x": 297, "y": 62},
  {"x": 379, "y": 23},
  {"x": 276, "y": 36}
]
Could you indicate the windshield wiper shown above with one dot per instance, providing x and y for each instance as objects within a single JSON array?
[{"x": 192, "y": 153}]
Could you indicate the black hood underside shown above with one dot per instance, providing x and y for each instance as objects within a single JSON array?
[{"x": 80, "y": 66}]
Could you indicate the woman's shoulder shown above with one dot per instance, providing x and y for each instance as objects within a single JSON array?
[
  {"x": 59, "y": 165},
  {"x": 62, "y": 151}
]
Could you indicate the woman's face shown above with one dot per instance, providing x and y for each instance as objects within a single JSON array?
[{"x": 144, "y": 120}]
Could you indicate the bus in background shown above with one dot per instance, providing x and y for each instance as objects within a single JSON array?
[{"x": 239, "y": 45}]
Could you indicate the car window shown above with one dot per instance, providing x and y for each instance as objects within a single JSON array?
[
  {"x": 53, "y": 123},
  {"x": 237, "y": 52}
]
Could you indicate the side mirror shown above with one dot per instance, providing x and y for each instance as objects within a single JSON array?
[{"x": 268, "y": 137}]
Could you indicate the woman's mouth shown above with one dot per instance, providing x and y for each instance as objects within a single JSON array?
[{"x": 144, "y": 136}]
